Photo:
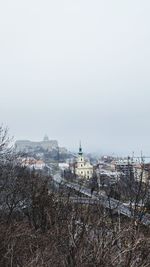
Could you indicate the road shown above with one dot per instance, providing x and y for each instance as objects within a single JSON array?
[{"x": 101, "y": 198}]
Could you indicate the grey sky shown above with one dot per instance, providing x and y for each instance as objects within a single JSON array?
[{"x": 77, "y": 70}]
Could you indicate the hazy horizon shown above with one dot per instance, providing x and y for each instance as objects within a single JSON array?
[{"x": 77, "y": 70}]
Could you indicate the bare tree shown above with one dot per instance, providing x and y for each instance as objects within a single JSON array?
[{"x": 42, "y": 228}]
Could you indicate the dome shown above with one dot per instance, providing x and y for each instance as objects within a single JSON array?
[{"x": 45, "y": 139}]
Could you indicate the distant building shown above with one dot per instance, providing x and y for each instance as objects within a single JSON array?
[
  {"x": 125, "y": 167},
  {"x": 83, "y": 168},
  {"x": 63, "y": 166},
  {"x": 30, "y": 146},
  {"x": 32, "y": 163},
  {"x": 142, "y": 172}
]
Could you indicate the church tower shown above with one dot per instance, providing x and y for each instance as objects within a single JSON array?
[
  {"x": 80, "y": 160},
  {"x": 83, "y": 168}
]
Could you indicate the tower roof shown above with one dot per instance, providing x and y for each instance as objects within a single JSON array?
[{"x": 80, "y": 150}]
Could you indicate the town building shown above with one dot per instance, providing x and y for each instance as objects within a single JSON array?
[
  {"x": 83, "y": 168},
  {"x": 32, "y": 163},
  {"x": 139, "y": 171},
  {"x": 125, "y": 167},
  {"x": 142, "y": 172}
]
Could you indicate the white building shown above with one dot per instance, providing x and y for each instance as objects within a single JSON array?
[
  {"x": 83, "y": 168},
  {"x": 63, "y": 166}
]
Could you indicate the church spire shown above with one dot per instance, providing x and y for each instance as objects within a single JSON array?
[{"x": 80, "y": 150}]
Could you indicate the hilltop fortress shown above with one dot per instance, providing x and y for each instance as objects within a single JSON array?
[{"x": 29, "y": 146}]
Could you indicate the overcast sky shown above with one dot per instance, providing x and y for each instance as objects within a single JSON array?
[{"x": 77, "y": 70}]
